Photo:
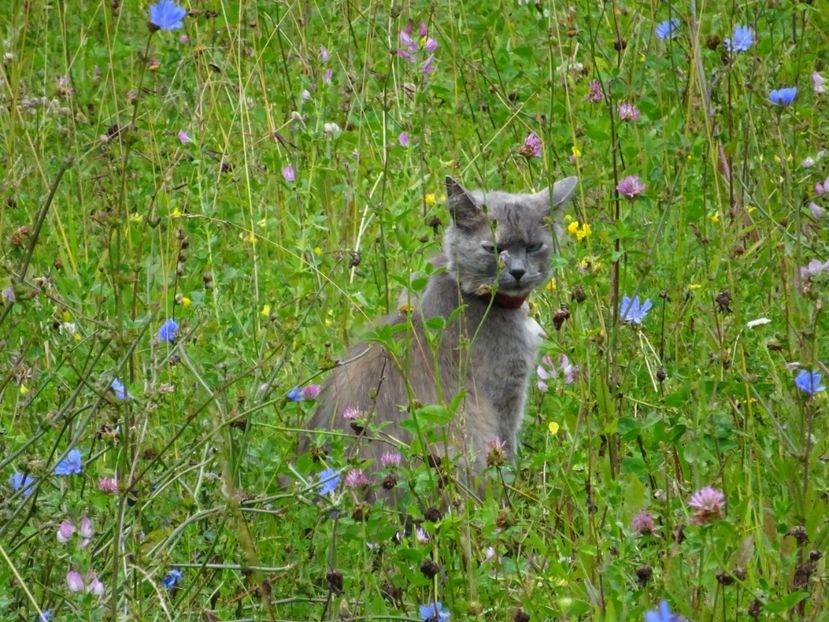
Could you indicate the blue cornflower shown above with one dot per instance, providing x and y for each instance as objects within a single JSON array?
[
  {"x": 741, "y": 40},
  {"x": 809, "y": 382},
  {"x": 633, "y": 311},
  {"x": 118, "y": 387},
  {"x": 46, "y": 615},
  {"x": 26, "y": 482},
  {"x": 663, "y": 615},
  {"x": 667, "y": 29},
  {"x": 71, "y": 464},
  {"x": 167, "y": 15},
  {"x": 433, "y": 612},
  {"x": 295, "y": 394},
  {"x": 172, "y": 578},
  {"x": 329, "y": 481},
  {"x": 784, "y": 96},
  {"x": 168, "y": 331}
]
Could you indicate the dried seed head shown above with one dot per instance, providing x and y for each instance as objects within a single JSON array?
[
  {"x": 429, "y": 568},
  {"x": 644, "y": 574},
  {"x": 335, "y": 581},
  {"x": 433, "y": 515}
]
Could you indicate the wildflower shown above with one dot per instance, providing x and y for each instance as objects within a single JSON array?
[
  {"x": 431, "y": 45},
  {"x": 295, "y": 394},
  {"x": 45, "y": 616},
  {"x": 154, "y": 64},
  {"x": 324, "y": 54},
  {"x": 421, "y": 536},
  {"x": 630, "y": 187},
  {"x": 741, "y": 40},
  {"x": 329, "y": 73},
  {"x": 428, "y": 66},
  {"x": 332, "y": 130},
  {"x": 760, "y": 321},
  {"x": 408, "y": 46},
  {"x": 183, "y": 137},
  {"x": 642, "y": 523},
  {"x": 817, "y": 211},
  {"x": 74, "y": 581},
  {"x": 85, "y": 531},
  {"x": 8, "y": 295},
  {"x": 807, "y": 162},
  {"x": 390, "y": 459},
  {"x": 172, "y": 578},
  {"x": 24, "y": 483},
  {"x": 662, "y": 615},
  {"x": 65, "y": 531},
  {"x": 71, "y": 465},
  {"x": 531, "y": 147},
  {"x": 168, "y": 331},
  {"x": 633, "y": 311},
  {"x": 822, "y": 188},
  {"x": 118, "y": 387},
  {"x": 553, "y": 427},
  {"x": 306, "y": 94},
  {"x": 94, "y": 585},
  {"x": 403, "y": 139},
  {"x": 708, "y": 504},
  {"x": 667, "y": 29},
  {"x": 628, "y": 112},
  {"x": 422, "y": 29},
  {"x": 329, "y": 481},
  {"x": 310, "y": 392},
  {"x": 818, "y": 83},
  {"x": 813, "y": 268},
  {"x": 289, "y": 174},
  {"x": 784, "y": 96},
  {"x": 547, "y": 371},
  {"x": 433, "y": 612},
  {"x": 109, "y": 485},
  {"x": 809, "y": 382},
  {"x": 595, "y": 94},
  {"x": 356, "y": 478},
  {"x": 166, "y": 15},
  {"x": 429, "y": 199},
  {"x": 184, "y": 39}
]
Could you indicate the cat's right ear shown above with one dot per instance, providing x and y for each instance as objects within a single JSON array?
[{"x": 465, "y": 212}]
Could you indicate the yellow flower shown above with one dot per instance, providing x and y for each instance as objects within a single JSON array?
[
  {"x": 250, "y": 238},
  {"x": 262, "y": 223},
  {"x": 551, "y": 285},
  {"x": 23, "y": 389},
  {"x": 405, "y": 308},
  {"x": 176, "y": 213},
  {"x": 185, "y": 301},
  {"x": 584, "y": 232},
  {"x": 693, "y": 286},
  {"x": 77, "y": 336},
  {"x": 573, "y": 227},
  {"x": 576, "y": 151},
  {"x": 328, "y": 322},
  {"x": 553, "y": 427},
  {"x": 429, "y": 199},
  {"x": 136, "y": 217},
  {"x": 266, "y": 311},
  {"x": 317, "y": 251},
  {"x": 567, "y": 218},
  {"x": 715, "y": 217}
]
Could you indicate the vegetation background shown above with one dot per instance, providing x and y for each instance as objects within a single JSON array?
[{"x": 272, "y": 198}]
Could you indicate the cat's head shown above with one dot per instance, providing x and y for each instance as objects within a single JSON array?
[{"x": 502, "y": 239}]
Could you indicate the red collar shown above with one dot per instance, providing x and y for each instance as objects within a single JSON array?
[{"x": 503, "y": 301}]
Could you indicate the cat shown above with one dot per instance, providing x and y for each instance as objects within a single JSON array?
[{"x": 496, "y": 250}]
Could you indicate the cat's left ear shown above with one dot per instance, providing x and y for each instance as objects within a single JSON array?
[{"x": 562, "y": 192}]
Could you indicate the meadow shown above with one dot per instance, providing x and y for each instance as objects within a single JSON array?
[{"x": 201, "y": 207}]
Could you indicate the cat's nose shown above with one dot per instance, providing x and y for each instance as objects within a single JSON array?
[{"x": 517, "y": 273}]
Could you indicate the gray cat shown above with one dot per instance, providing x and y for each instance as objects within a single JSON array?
[{"x": 495, "y": 252}]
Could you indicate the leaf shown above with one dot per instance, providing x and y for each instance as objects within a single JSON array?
[{"x": 785, "y": 603}]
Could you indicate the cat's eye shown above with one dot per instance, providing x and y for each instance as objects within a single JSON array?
[
  {"x": 490, "y": 248},
  {"x": 534, "y": 248}
]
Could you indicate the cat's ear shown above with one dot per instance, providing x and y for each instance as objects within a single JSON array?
[
  {"x": 466, "y": 214},
  {"x": 562, "y": 192}
]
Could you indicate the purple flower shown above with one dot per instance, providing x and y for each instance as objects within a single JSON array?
[
  {"x": 422, "y": 29},
  {"x": 633, "y": 311},
  {"x": 184, "y": 138},
  {"x": 408, "y": 45},
  {"x": 289, "y": 174},
  {"x": 45, "y": 616},
  {"x": 642, "y": 524},
  {"x": 817, "y": 211},
  {"x": 818, "y": 83},
  {"x": 628, "y": 112},
  {"x": 65, "y": 531},
  {"x": 547, "y": 371},
  {"x": 74, "y": 581},
  {"x": 324, "y": 54},
  {"x": 809, "y": 382},
  {"x": 172, "y": 578},
  {"x": 8, "y": 295},
  {"x": 329, "y": 73},
  {"x": 403, "y": 139},
  {"x": 431, "y": 45},
  {"x": 667, "y": 29},
  {"x": 310, "y": 392},
  {"x": 813, "y": 268},
  {"x": 708, "y": 504},
  {"x": 630, "y": 187},
  {"x": 356, "y": 478},
  {"x": 822, "y": 188},
  {"x": 167, "y": 15},
  {"x": 94, "y": 585},
  {"x": 18, "y": 481},
  {"x": 390, "y": 459},
  {"x": 428, "y": 65},
  {"x": 531, "y": 147},
  {"x": 741, "y": 40},
  {"x": 663, "y": 614},
  {"x": 329, "y": 481},
  {"x": 109, "y": 485},
  {"x": 433, "y": 612},
  {"x": 118, "y": 387},
  {"x": 72, "y": 464},
  {"x": 352, "y": 414},
  {"x": 595, "y": 94},
  {"x": 168, "y": 331},
  {"x": 784, "y": 96}
]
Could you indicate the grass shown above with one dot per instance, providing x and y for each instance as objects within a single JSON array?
[{"x": 111, "y": 225}]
